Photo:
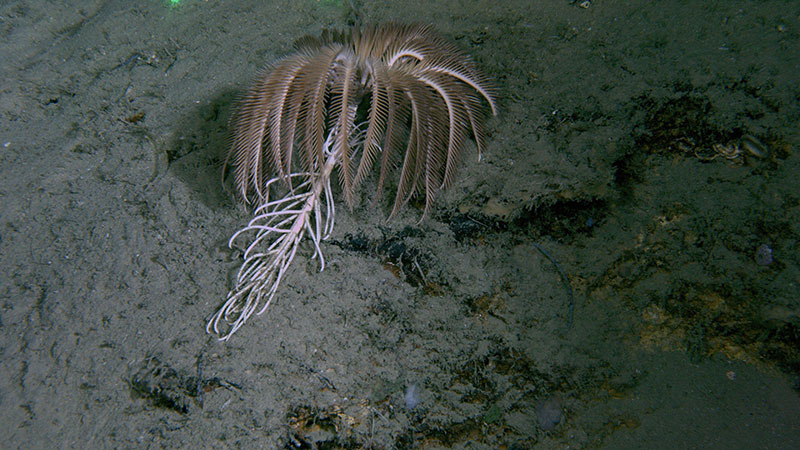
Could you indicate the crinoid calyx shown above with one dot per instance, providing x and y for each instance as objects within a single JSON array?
[{"x": 398, "y": 94}]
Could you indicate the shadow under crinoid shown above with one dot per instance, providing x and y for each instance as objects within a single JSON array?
[{"x": 198, "y": 147}]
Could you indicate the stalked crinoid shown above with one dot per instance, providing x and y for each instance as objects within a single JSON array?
[{"x": 398, "y": 96}]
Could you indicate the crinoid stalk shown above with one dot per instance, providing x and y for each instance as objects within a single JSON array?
[{"x": 398, "y": 94}]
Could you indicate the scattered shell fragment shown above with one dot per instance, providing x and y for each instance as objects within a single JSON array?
[
  {"x": 549, "y": 412},
  {"x": 753, "y": 147},
  {"x": 764, "y": 255}
]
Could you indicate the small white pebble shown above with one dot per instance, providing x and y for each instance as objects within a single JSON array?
[{"x": 411, "y": 397}]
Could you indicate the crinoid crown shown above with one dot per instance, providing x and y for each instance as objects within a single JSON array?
[{"x": 399, "y": 94}]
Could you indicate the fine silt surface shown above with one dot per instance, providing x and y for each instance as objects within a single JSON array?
[{"x": 618, "y": 271}]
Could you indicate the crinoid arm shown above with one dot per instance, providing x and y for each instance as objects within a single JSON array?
[
  {"x": 269, "y": 243},
  {"x": 271, "y": 239}
]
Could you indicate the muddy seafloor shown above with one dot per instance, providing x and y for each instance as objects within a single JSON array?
[{"x": 615, "y": 152}]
